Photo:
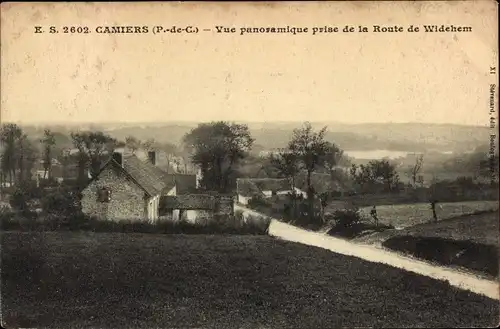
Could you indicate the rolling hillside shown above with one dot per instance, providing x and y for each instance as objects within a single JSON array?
[{"x": 411, "y": 137}]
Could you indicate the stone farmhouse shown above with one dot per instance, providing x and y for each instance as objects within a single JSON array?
[{"x": 128, "y": 188}]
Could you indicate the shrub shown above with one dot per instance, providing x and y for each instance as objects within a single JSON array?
[
  {"x": 6, "y": 218},
  {"x": 348, "y": 223},
  {"x": 347, "y": 218},
  {"x": 61, "y": 202},
  {"x": 257, "y": 223},
  {"x": 19, "y": 200}
]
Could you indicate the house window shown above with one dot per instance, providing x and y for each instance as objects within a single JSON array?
[{"x": 104, "y": 195}]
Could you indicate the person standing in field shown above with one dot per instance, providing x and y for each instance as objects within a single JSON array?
[
  {"x": 373, "y": 212},
  {"x": 433, "y": 207}
]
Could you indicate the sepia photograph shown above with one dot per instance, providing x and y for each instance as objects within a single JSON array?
[{"x": 328, "y": 164}]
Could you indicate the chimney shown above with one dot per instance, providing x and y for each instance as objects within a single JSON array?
[
  {"x": 152, "y": 157},
  {"x": 118, "y": 157}
]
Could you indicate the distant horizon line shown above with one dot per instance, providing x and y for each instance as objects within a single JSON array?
[{"x": 72, "y": 123}]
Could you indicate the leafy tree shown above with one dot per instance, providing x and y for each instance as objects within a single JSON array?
[
  {"x": 48, "y": 141},
  {"x": 18, "y": 154},
  {"x": 253, "y": 166},
  {"x": 132, "y": 143},
  {"x": 384, "y": 172},
  {"x": 61, "y": 202},
  {"x": 27, "y": 156},
  {"x": 19, "y": 200},
  {"x": 311, "y": 149},
  {"x": 92, "y": 147},
  {"x": 10, "y": 135},
  {"x": 217, "y": 147},
  {"x": 78, "y": 140},
  {"x": 333, "y": 158},
  {"x": 375, "y": 175},
  {"x": 288, "y": 166}
]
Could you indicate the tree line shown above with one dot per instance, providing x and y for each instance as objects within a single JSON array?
[
  {"x": 216, "y": 148},
  {"x": 220, "y": 150},
  {"x": 20, "y": 153}
]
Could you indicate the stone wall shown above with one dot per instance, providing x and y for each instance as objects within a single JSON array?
[
  {"x": 127, "y": 199},
  {"x": 218, "y": 204}
]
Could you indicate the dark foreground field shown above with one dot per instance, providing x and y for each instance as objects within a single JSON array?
[{"x": 76, "y": 280}]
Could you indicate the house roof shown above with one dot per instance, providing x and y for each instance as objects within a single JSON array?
[
  {"x": 149, "y": 177},
  {"x": 256, "y": 186},
  {"x": 185, "y": 183}
]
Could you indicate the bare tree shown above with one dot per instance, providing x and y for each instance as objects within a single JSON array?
[{"x": 414, "y": 170}]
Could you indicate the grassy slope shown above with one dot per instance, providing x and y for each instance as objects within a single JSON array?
[
  {"x": 115, "y": 280},
  {"x": 480, "y": 228},
  {"x": 406, "y": 215},
  {"x": 469, "y": 242}
]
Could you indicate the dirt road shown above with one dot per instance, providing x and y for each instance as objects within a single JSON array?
[{"x": 377, "y": 254}]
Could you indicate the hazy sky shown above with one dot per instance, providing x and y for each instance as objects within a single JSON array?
[{"x": 370, "y": 77}]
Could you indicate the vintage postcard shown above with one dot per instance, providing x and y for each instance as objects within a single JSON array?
[{"x": 328, "y": 164}]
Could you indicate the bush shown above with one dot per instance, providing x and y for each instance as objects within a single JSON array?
[
  {"x": 19, "y": 200},
  {"x": 6, "y": 218},
  {"x": 349, "y": 224},
  {"x": 257, "y": 223},
  {"x": 347, "y": 218},
  {"x": 61, "y": 202}
]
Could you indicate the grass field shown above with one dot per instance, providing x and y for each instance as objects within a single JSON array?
[
  {"x": 401, "y": 216},
  {"x": 467, "y": 241},
  {"x": 480, "y": 228},
  {"x": 115, "y": 280}
]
